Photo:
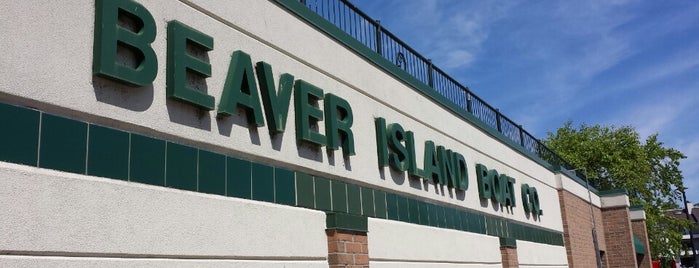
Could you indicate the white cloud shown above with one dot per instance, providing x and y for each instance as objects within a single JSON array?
[
  {"x": 451, "y": 33},
  {"x": 457, "y": 58},
  {"x": 678, "y": 63},
  {"x": 652, "y": 116}
]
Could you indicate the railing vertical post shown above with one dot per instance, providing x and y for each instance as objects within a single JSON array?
[
  {"x": 378, "y": 37},
  {"x": 469, "y": 106},
  {"x": 430, "y": 79},
  {"x": 521, "y": 135},
  {"x": 539, "y": 151},
  {"x": 497, "y": 120}
]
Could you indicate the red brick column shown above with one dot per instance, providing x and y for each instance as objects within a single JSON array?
[
  {"x": 348, "y": 246},
  {"x": 509, "y": 257},
  {"x": 577, "y": 230},
  {"x": 618, "y": 235},
  {"x": 347, "y": 249},
  {"x": 638, "y": 227}
]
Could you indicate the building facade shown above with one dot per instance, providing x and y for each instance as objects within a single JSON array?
[
  {"x": 690, "y": 237},
  {"x": 196, "y": 133}
]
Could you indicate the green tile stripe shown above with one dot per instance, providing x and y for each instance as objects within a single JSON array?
[
  {"x": 344, "y": 221},
  {"x": 35, "y": 139},
  {"x": 508, "y": 242},
  {"x": 19, "y": 140},
  {"x": 39, "y": 139},
  {"x": 332, "y": 196}
]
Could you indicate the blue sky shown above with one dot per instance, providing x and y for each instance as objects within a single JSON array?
[{"x": 543, "y": 63}]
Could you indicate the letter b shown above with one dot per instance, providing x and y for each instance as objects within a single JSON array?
[{"x": 109, "y": 35}]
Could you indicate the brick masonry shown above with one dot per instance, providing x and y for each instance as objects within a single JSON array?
[
  {"x": 347, "y": 249},
  {"x": 577, "y": 228},
  {"x": 639, "y": 230},
  {"x": 617, "y": 224},
  {"x": 509, "y": 257}
]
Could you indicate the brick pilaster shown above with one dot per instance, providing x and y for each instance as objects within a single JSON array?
[
  {"x": 638, "y": 227},
  {"x": 618, "y": 235},
  {"x": 347, "y": 249},
  {"x": 509, "y": 257},
  {"x": 508, "y": 252},
  {"x": 577, "y": 230},
  {"x": 348, "y": 246}
]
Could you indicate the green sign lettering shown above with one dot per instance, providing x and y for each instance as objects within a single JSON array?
[
  {"x": 443, "y": 166},
  {"x": 510, "y": 200},
  {"x": 485, "y": 187},
  {"x": 240, "y": 90},
  {"x": 308, "y": 114},
  {"x": 447, "y": 167},
  {"x": 413, "y": 170},
  {"x": 459, "y": 162},
  {"x": 433, "y": 169},
  {"x": 109, "y": 35},
  {"x": 398, "y": 156},
  {"x": 530, "y": 200},
  {"x": 276, "y": 102},
  {"x": 338, "y": 123},
  {"x": 179, "y": 62},
  {"x": 381, "y": 141},
  {"x": 396, "y": 146},
  {"x": 494, "y": 186}
]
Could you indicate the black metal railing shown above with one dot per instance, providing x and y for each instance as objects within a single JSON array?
[{"x": 369, "y": 32}]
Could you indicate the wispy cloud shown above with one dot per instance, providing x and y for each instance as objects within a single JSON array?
[
  {"x": 650, "y": 116},
  {"x": 678, "y": 62},
  {"x": 451, "y": 33}
]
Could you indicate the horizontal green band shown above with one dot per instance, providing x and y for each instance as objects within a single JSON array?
[
  {"x": 508, "y": 242},
  {"x": 123, "y": 155},
  {"x": 346, "y": 222}
]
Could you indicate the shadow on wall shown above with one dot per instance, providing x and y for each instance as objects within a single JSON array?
[
  {"x": 225, "y": 125},
  {"x": 188, "y": 115},
  {"x": 137, "y": 99},
  {"x": 309, "y": 151},
  {"x": 332, "y": 154}
]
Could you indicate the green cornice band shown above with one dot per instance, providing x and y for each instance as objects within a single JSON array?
[
  {"x": 613, "y": 192},
  {"x": 508, "y": 242},
  {"x": 637, "y": 208},
  {"x": 346, "y": 222}
]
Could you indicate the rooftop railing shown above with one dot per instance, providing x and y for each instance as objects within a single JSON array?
[{"x": 369, "y": 32}]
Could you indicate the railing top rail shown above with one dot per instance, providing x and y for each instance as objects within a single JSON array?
[{"x": 403, "y": 44}]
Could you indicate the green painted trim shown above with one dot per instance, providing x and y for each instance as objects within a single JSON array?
[
  {"x": 508, "y": 242},
  {"x": 346, "y": 222},
  {"x": 613, "y": 192},
  {"x": 637, "y": 208},
  {"x": 638, "y": 246},
  {"x": 312, "y": 192},
  {"x": 347, "y": 40}
]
